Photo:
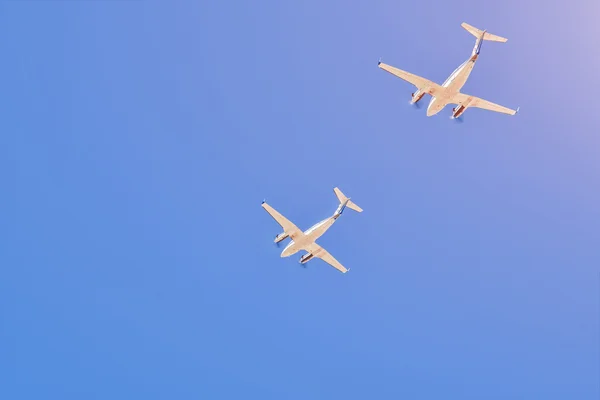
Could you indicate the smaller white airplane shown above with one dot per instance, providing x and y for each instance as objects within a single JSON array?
[
  {"x": 449, "y": 91},
  {"x": 306, "y": 240}
]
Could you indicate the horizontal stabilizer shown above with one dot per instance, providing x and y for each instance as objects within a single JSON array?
[
  {"x": 342, "y": 198},
  {"x": 353, "y": 206},
  {"x": 487, "y": 36}
]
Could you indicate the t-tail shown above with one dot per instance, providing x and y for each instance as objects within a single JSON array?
[
  {"x": 344, "y": 202},
  {"x": 481, "y": 36}
]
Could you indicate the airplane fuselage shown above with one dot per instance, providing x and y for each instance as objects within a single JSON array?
[
  {"x": 451, "y": 86},
  {"x": 313, "y": 233},
  {"x": 309, "y": 237}
]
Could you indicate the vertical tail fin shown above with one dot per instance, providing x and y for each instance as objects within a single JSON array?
[
  {"x": 343, "y": 199},
  {"x": 478, "y": 33}
]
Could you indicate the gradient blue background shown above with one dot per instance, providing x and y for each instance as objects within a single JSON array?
[{"x": 139, "y": 138}]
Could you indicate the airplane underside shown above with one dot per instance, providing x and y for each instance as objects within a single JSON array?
[
  {"x": 438, "y": 104},
  {"x": 435, "y": 106}
]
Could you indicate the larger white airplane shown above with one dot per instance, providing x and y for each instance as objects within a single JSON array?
[
  {"x": 306, "y": 240},
  {"x": 449, "y": 91}
]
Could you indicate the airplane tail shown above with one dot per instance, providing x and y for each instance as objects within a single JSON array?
[
  {"x": 345, "y": 200},
  {"x": 481, "y": 36},
  {"x": 486, "y": 36}
]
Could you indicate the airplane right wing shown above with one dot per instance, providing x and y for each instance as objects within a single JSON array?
[
  {"x": 292, "y": 230},
  {"x": 423, "y": 84},
  {"x": 319, "y": 252},
  {"x": 472, "y": 101}
]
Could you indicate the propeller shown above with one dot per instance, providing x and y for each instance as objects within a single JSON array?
[
  {"x": 458, "y": 120},
  {"x": 300, "y": 260},
  {"x": 278, "y": 244},
  {"x": 416, "y": 105}
]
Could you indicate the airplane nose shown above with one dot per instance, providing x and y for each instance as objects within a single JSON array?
[
  {"x": 434, "y": 107},
  {"x": 289, "y": 250},
  {"x": 430, "y": 108}
]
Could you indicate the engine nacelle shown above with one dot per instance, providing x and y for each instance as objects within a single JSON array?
[
  {"x": 458, "y": 111},
  {"x": 281, "y": 236},
  {"x": 416, "y": 96},
  {"x": 306, "y": 258}
]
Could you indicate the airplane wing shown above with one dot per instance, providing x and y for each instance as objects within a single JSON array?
[
  {"x": 472, "y": 101},
  {"x": 319, "y": 252},
  {"x": 292, "y": 230},
  {"x": 425, "y": 85}
]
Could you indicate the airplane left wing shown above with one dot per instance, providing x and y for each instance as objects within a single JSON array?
[
  {"x": 472, "y": 101},
  {"x": 423, "y": 84},
  {"x": 319, "y": 252},
  {"x": 288, "y": 227}
]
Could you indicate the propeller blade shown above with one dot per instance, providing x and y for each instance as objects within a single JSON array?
[{"x": 416, "y": 105}]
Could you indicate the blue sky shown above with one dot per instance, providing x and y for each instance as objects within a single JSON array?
[{"x": 139, "y": 138}]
